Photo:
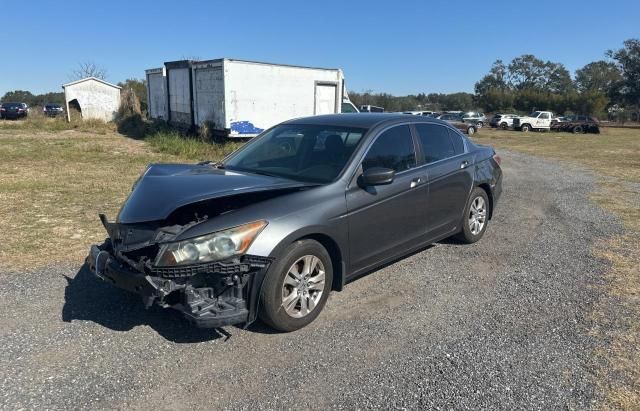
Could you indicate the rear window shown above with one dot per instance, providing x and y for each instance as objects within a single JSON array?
[
  {"x": 12, "y": 105},
  {"x": 436, "y": 142}
]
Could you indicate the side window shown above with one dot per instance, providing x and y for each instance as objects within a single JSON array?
[
  {"x": 435, "y": 142},
  {"x": 544, "y": 116},
  {"x": 392, "y": 149},
  {"x": 348, "y": 108},
  {"x": 456, "y": 139}
]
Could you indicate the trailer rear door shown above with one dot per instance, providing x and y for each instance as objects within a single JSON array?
[
  {"x": 209, "y": 86},
  {"x": 326, "y": 98}
]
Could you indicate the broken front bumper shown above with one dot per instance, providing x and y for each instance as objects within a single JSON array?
[{"x": 221, "y": 294}]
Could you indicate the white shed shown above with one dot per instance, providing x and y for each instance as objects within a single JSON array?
[{"x": 95, "y": 98}]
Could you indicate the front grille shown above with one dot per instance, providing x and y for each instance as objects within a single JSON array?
[{"x": 244, "y": 265}]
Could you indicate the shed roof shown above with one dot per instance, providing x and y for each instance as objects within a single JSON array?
[{"x": 91, "y": 78}]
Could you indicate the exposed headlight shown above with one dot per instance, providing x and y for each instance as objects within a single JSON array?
[{"x": 211, "y": 247}]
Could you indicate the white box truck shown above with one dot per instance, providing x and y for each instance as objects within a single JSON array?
[{"x": 239, "y": 98}]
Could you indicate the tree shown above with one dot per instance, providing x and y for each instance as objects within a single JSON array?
[
  {"x": 527, "y": 72},
  {"x": 601, "y": 76},
  {"x": 628, "y": 61},
  {"x": 19, "y": 96},
  {"x": 88, "y": 69},
  {"x": 139, "y": 88},
  {"x": 557, "y": 78}
]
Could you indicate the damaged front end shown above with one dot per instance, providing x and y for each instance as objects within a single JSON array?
[{"x": 209, "y": 292}]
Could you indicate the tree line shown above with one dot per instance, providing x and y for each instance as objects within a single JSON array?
[{"x": 605, "y": 88}]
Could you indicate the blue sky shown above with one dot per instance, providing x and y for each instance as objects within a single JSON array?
[{"x": 398, "y": 47}]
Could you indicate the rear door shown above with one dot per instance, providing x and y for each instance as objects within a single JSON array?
[
  {"x": 209, "y": 86},
  {"x": 384, "y": 220},
  {"x": 450, "y": 173},
  {"x": 326, "y": 98}
]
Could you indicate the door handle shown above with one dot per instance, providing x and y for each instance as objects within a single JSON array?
[
  {"x": 464, "y": 164},
  {"x": 416, "y": 181}
]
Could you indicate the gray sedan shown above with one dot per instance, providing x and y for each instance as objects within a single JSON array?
[{"x": 296, "y": 213}]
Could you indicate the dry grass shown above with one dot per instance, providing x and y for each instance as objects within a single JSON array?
[
  {"x": 615, "y": 157},
  {"x": 53, "y": 184}
]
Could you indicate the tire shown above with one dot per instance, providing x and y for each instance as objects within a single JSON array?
[
  {"x": 525, "y": 128},
  {"x": 474, "y": 223},
  {"x": 504, "y": 126},
  {"x": 479, "y": 124},
  {"x": 577, "y": 130},
  {"x": 282, "y": 282},
  {"x": 471, "y": 130}
]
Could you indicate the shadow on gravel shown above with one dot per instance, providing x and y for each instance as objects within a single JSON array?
[{"x": 87, "y": 298}]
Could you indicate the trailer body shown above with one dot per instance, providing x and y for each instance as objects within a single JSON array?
[{"x": 240, "y": 98}]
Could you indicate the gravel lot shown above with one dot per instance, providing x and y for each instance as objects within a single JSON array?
[{"x": 503, "y": 323}]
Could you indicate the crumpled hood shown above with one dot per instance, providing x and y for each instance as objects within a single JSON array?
[{"x": 164, "y": 188}]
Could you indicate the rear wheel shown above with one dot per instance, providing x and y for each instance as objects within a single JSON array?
[
  {"x": 297, "y": 286},
  {"x": 479, "y": 124},
  {"x": 476, "y": 217},
  {"x": 577, "y": 130},
  {"x": 504, "y": 126},
  {"x": 471, "y": 130}
]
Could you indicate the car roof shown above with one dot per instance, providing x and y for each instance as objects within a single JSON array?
[{"x": 362, "y": 120}]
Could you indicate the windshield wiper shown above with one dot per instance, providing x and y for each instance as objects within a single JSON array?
[{"x": 217, "y": 164}]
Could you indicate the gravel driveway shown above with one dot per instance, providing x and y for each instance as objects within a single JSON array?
[{"x": 501, "y": 324}]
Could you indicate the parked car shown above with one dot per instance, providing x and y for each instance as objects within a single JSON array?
[
  {"x": 474, "y": 117},
  {"x": 538, "y": 120},
  {"x": 371, "y": 109},
  {"x": 450, "y": 117},
  {"x": 297, "y": 212},
  {"x": 421, "y": 113},
  {"x": 455, "y": 119},
  {"x": 578, "y": 124},
  {"x": 52, "y": 110},
  {"x": 13, "y": 110},
  {"x": 503, "y": 121}
]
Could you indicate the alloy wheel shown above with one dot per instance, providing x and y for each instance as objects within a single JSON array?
[
  {"x": 477, "y": 215},
  {"x": 303, "y": 286}
]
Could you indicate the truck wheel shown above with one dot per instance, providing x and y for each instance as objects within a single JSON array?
[
  {"x": 577, "y": 130},
  {"x": 476, "y": 217},
  {"x": 297, "y": 286},
  {"x": 525, "y": 128},
  {"x": 504, "y": 126}
]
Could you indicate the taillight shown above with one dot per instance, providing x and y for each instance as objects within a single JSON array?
[{"x": 497, "y": 159}]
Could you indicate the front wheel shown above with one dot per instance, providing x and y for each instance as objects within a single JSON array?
[
  {"x": 471, "y": 130},
  {"x": 476, "y": 217},
  {"x": 297, "y": 286},
  {"x": 526, "y": 128}
]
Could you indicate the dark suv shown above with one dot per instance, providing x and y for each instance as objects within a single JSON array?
[
  {"x": 52, "y": 110},
  {"x": 13, "y": 110}
]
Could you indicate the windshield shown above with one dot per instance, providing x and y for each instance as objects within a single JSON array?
[{"x": 302, "y": 152}]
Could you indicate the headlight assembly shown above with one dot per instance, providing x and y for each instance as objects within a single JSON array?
[{"x": 210, "y": 247}]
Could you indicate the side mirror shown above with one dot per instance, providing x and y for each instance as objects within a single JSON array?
[{"x": 377, "y": 176}]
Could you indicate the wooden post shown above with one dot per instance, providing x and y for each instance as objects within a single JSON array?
[{"x": 66, "y": 102}]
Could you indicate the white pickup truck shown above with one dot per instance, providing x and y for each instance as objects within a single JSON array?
[{"x": 538, "y": 120}]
